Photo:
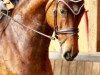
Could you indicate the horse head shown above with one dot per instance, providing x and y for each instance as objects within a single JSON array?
[{"x": 64, "y": 17}]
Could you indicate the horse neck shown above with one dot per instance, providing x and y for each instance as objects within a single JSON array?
[
  {"x": 33, "y": 19},
  {"x": 27, "y": 42},
  {"x": 28, "y": 48}
]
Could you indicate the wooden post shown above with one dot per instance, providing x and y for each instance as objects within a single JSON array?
[
  {"x": 98, "y": 26},
  {"x": 92, "y": 25}
]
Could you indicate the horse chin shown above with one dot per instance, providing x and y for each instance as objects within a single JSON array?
[{"x": 69, "y": 56}]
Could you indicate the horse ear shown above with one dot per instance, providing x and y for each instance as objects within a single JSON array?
[{"x": 48, "y": 4}]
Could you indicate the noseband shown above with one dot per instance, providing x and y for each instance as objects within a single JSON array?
[{"x": 73, "y": 6}]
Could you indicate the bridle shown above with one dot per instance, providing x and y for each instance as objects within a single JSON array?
[{"x": 70, "y": 4}]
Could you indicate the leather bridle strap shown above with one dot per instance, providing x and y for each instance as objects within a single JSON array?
[
  {"x": 72, "y": 31},
  {"x": 55, "y": 18}
]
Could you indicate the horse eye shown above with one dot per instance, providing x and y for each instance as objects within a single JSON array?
[{"x": 63, "y": 11}]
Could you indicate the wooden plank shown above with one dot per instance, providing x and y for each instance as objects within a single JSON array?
[
  {"x": 92, "y": 15},
  {"x": 52, "y": 64},
  {"x": 80, "y": 68},
  {"x": 98, "y": 26},
  {"x": 81, "y": 56},
  {"x": 72, "y": 68},
  {"x": 88, "y": 68},
  {"x": 57, "y": 68},
  {"x": 62, "y": 67},
  {"x": 96, "y": 68},
  {"x": 65, "y": 68},
  {"x": 88, "y": 57}
]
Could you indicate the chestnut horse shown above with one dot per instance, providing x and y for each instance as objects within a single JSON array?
[{"x": 24, "y": 52}]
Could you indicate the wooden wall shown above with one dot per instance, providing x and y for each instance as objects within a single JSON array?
[{"x": 62, "y": 67}]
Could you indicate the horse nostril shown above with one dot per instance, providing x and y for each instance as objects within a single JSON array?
[{"x": 68, "y": 56}]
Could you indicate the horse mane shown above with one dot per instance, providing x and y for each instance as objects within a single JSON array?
[{"x": 48, "y": 4}]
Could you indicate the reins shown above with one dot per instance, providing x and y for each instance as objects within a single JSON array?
[{"x": 49, "y": 37}]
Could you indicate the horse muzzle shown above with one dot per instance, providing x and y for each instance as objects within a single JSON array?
[{"x": 69, "y": 56}]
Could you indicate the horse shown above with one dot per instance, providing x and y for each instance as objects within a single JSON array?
[
  {"x": 64, "y": 17},
  {"x": 25, "y": 52}
]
